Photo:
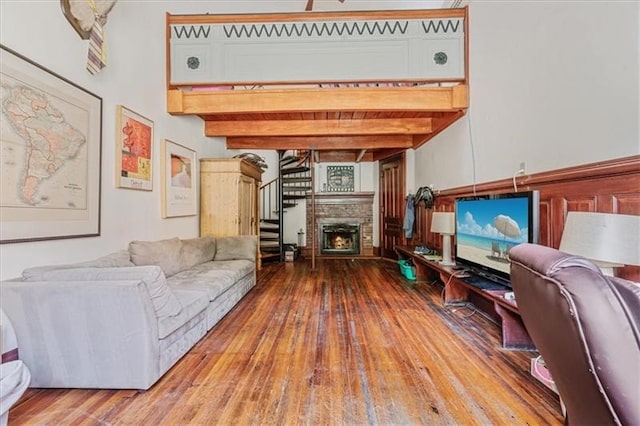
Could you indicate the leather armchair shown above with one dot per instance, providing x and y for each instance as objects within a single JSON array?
[{"x": 586, "y": 326}]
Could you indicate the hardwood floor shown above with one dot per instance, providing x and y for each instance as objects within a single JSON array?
[{"x": 351, "y": 343}]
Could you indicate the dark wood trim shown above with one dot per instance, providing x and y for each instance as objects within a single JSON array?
[
  {"x": 602, "y": 169},
  {"x": 343, "y": 198},
  {"x": 611, "y": 186}
]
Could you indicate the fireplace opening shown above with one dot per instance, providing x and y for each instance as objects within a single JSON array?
[{"x": 340, "y": 238}]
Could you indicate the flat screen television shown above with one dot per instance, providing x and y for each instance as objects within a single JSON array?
[{"x": 487, "y": 226}]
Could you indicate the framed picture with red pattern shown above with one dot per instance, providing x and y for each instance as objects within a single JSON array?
[{"x": 134, "y": 150}]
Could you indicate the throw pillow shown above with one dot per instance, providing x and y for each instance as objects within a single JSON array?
[
  {"x": 239, "y": 247},
  {"x": 162, "y": 253},
  {"x": 164, "y": 302},
  {"x": 196, "y": 251}
]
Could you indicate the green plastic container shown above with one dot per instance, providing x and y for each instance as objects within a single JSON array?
[{"x": 407, "y": 269}]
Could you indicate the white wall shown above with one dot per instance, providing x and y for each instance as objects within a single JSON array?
[
  {"x": 135, "y": 78},
  {"x": 555, "y": 84}
]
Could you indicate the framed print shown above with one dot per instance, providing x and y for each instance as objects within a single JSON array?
[
  {"x": 340, "y": 179},
  {"x": 134, "y": 149},
  {"x": 179, "y": 172},
  {"x": 50, "y": 148}
]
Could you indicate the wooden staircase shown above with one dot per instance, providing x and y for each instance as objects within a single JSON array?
[{"x": 288, "y": 190}]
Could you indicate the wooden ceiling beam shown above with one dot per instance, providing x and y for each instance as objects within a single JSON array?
[
  {"x": 439, "y": 124},
  {"x": 387, "y": 126},
  {"x": 421, "y": 98},
  {"x": 321, "y": 143},
  {"x": 343, "y": 157},
  {"x": 385, "y": 153}
]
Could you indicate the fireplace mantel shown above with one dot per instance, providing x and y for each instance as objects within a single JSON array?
[{"x": 343, "y": 198}]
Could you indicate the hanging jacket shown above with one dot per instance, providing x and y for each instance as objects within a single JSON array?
[{"x": 409, "y": 216}]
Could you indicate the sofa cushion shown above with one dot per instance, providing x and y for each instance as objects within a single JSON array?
[
  {"x": 164, "y": 301},
  {"x": 197, "y": 250},
  {"x": 162, "y": 253},
  {"x": 238, "y": 247},
  {"x": 113, "y": 260},
  {"x": 214, "y": 277}
]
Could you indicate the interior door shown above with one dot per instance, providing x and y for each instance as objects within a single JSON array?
[{"x": 392, "y": 178}]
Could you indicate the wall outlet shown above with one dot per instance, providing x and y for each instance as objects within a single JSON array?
[{"x": 523, "y": 167}]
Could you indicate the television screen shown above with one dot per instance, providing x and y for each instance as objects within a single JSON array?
[{"x": 488, "y": 226}]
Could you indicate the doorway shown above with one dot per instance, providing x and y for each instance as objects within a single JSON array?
[{"x": 392, "y": 182}]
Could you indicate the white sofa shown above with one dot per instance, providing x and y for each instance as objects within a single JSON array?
[{"x": 121, "y": 321}]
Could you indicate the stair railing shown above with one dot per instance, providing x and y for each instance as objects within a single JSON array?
[
  {"x": 269, "y": 196},
  {"x": 272, "y": 200}
]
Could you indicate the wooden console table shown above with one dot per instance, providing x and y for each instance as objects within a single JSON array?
[{"x": 514, "y": 334}]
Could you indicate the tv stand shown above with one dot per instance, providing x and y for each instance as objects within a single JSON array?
[{"x": 459, "y": 288}]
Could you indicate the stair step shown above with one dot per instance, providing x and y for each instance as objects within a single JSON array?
[
  {"x": 269, "y": 221},
  {"x": 292, "y": 179},
  {"x": 269, "y": 257},
  {"x": 294, "y": 197},
  {"x": 269, "y": 245},
  {"x": 266, "y": 238},
  {"x": 272, "y": 249},
  {"x": 290, "y": 188},
  {"x": 288, "y": 160},
  {"x": 290, "y": 170},
  {"x": 269, "y": 229},
  {"x": 269, "y": 225},
  {"x": 288, "y": 205}
]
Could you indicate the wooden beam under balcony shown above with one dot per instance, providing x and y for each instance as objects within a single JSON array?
[
  {"x": 321, "y": 142},
  {"x": 385, "y": 126},
  {"x": 265, "y": 101}
]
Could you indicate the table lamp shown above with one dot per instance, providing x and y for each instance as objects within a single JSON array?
[
  {"x": 608, "y": 240},
  {"x": 444, "y": 223}
]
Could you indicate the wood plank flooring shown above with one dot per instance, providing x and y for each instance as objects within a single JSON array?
[{"x": 351, "y": 343}]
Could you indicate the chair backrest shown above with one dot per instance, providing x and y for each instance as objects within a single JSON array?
[{"x": 586, "y": 327}]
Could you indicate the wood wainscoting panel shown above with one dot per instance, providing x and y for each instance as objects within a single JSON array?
[
  {"x": 626, "y": 203},
  {"x": 544, "y": 236},
  {"x": 606, "y": 187}
]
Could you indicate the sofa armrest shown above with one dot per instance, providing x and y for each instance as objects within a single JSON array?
[{"x": 85, "y": 334}]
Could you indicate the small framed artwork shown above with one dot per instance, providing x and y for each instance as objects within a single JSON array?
[
  {"x": 134, "y": 149},
  {"x": 179, "y": 173},
  {"x": 50, "y": 148},
  {"x": 340, "y": 179}
]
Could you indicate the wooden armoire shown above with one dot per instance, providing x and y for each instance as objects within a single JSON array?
[{"x": 229, "y": 191}]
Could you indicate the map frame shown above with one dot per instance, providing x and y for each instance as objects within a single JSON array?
[{"x": 37, "y": 221}]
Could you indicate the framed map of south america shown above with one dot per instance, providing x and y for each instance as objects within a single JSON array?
[{"x": 50, "y": 153}]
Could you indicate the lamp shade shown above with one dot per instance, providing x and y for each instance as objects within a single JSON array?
[
  {"x": 605, "y": 238},
  {"x": 443, "y": 223}
]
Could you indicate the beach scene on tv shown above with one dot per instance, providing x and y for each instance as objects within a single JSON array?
[{"x": 487, "y": 229}]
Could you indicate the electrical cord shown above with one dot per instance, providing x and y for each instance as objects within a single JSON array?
[
  {"x": 473, "y": 151},
  {"x": 458, "y": 274},
  {"x": 515, "y": 185},
  {"x": 467, "y": 306}
]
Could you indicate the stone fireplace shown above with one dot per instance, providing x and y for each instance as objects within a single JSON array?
[{"x": 343, "y": 225}]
